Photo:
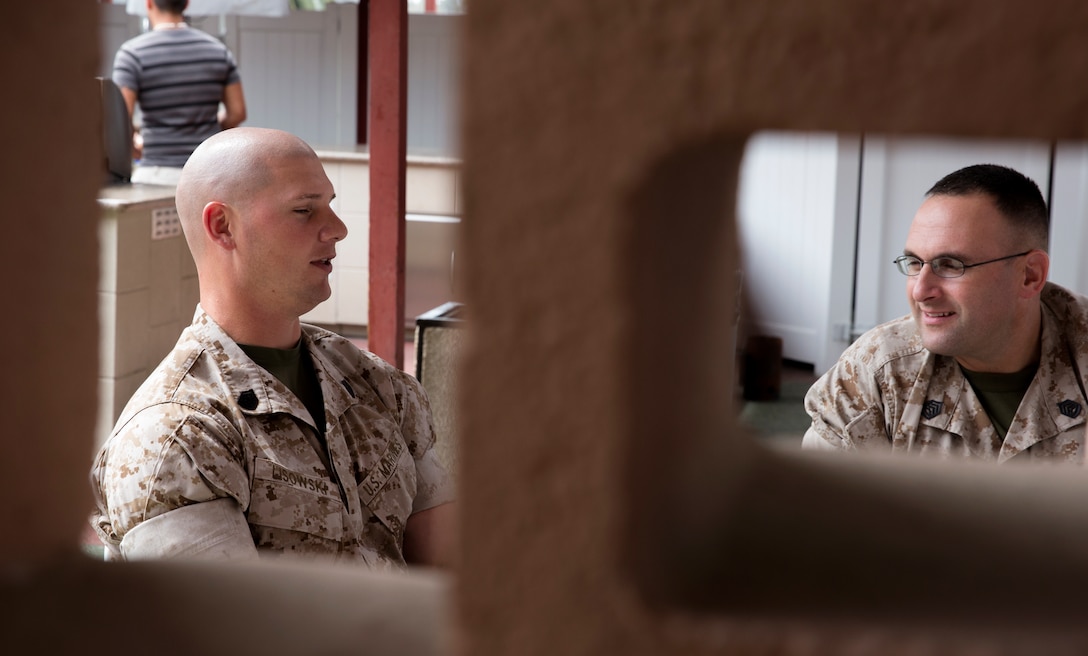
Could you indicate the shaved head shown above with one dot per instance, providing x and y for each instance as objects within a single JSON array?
[
  {"x": 232, "y": 167},
  {"x": 256, "y": 207}
]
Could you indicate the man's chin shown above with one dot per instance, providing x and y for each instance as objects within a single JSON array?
[
  {"x": 315, "y": 301},
  {"x": 935, "y": 345}
]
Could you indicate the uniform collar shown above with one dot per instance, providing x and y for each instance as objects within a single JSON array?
[
  {"x": 952, "y": 406},
  {"x": 253, "y": 389},
  {"x": 1055, "y": 402}
]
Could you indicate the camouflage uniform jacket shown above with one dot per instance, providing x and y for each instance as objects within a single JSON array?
[
  {"x": 210, "y": 428},
  {"x": 889, "y": 392}
]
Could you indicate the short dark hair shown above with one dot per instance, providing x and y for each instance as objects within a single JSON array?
[
  {"x": 172, "y": 6},
  {"x": 1016, "y": 196}
]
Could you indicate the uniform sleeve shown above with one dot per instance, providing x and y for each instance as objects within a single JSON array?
[
  {"x": 846, "y": 409},
  {"x": 209, "y": 530},
  {"x": 156, "y": 464},
  {"x": 433, "y": 483}
]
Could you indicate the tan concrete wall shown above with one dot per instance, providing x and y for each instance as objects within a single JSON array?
[
  {"x": 597, "y": 257},
  {"x": 607, "y": 493},
  {"x": 49, "y": 263}
]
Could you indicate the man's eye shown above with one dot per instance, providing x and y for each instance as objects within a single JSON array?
[{"x": 941, "y": 265}]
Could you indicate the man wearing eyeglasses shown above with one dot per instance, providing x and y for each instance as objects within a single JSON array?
[{"x": 989, "y": 363}]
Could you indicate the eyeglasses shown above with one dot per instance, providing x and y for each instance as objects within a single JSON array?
[{"x": 944, "y": 266}]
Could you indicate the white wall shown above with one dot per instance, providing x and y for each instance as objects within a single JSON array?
[
  {"x": 788, "y": 201},
  {"x": 1068, "y": 214},
  {"x": 299, "y": 73},
  {"x": 432, "y": 201},
  {"x": 434, "y": 74}
]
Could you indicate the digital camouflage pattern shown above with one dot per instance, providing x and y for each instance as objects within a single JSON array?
[
  {"x": 888, "y": 392},
  {"x": 209, "y": 424}
]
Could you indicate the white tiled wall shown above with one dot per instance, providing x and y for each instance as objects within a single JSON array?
[
  {"x": 432, "y": 187},
  {"x": 147, "y": 293}
]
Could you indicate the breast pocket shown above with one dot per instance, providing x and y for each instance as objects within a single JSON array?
[
  {"x": 286, "y": 499},
  {"x": 867, "y": 432}
]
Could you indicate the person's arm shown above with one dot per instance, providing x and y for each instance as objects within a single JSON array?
[
  {"x": 167, "y": 486},
  {"x": 430, "y": 536},
  {"x": 846, "y": 408},
  {"x": 430, "y": 532},
  {"x": 234, "y": 106},
  {"x": 813, "y": 441},
  {"x": 822, "y": 434},
  {"x": 209, "y": 530},
  {"x": 137, "y": 140}
]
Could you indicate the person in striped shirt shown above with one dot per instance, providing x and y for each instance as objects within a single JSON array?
[{"x": 179, "y": 76}]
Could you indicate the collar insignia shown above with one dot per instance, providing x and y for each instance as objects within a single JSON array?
[
  {"x": 347, "y": 386},
  {"x": 248, "y": 400},
  {"x": 1069, "y": 408}
]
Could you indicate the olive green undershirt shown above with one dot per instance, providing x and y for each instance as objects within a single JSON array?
[
  {"x": 1001, "y": 394},
  {"x": 294, "y": 368}
]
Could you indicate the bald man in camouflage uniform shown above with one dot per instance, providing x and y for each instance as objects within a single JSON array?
[
  {"x": 259, "y": 435},
  {"x": 989, "y": 365}
]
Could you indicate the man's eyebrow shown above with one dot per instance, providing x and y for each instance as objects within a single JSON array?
[
  {"x": 314, "y": 196},
  {"x": 953, "y": 254}
]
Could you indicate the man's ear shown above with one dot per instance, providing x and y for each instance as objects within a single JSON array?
[
  {"x": 1036, "y": 270},
  {"x": 217, "y": 218}
]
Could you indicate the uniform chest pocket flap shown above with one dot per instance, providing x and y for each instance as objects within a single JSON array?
[{"x": 286, "y": 499}]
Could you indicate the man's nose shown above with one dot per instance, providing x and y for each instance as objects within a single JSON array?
[
  {"x": 923, "y": 285},
  {"x": 336, "y": 229}
]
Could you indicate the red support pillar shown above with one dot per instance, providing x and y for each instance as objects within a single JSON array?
[
  {"x": 388, "y": 47},
  {"x": 362, "y": 86}
]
